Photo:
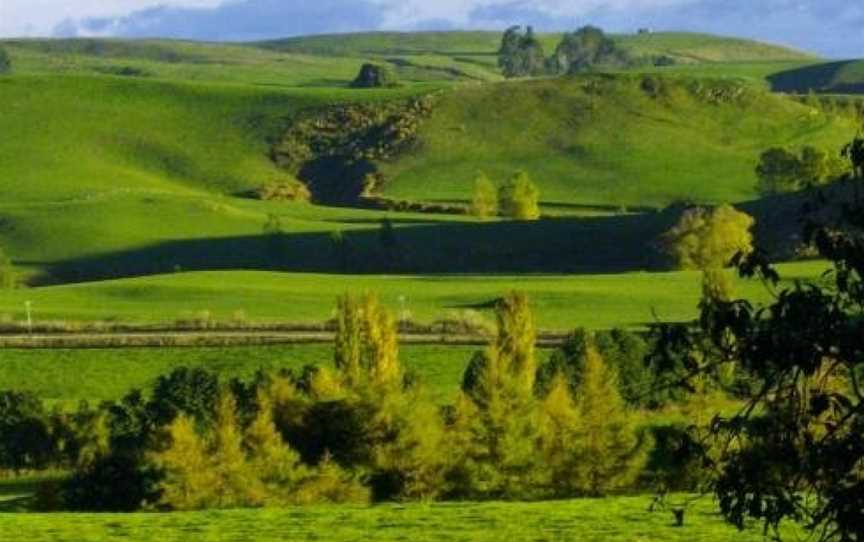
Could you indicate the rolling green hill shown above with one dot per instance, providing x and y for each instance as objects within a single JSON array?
[
  {"x": 619, "y": 141},
  {"x": 684, "y": 46}
]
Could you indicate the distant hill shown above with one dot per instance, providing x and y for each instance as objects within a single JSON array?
[
  {"x": 684, "y": 46},
  {"x": 843, "y": 77}
]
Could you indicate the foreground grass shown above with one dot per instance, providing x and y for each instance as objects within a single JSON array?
[
  {"x": 561, "y": 302},
  {"x": 607, "y": 520}
]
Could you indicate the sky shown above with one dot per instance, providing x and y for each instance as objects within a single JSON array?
[{"x": 833, "y": 28}]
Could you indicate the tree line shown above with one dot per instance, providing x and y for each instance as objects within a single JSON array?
[
  {"x": 521, "y": 54},
  {"x": 363, "y": 429}
]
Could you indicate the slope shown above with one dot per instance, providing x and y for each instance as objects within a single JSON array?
[
  {"x": 844, "y": 77},
  {"x": 608, "y": 141}
]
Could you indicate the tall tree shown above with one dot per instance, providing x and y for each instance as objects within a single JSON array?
[
  {"x": 519, "y": 198},
  {"x": 612, "y": 454},
  {"x": 484, "y": 202}
]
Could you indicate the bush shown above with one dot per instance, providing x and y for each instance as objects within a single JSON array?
[
  {"x": 484, "y": 203},
  {"x": 283, "y": 191},
  {"x": 25, "y": 437},
  {"x": 374, "y": 76}
]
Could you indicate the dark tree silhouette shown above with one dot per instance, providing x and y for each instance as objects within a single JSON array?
[{"x": 795, "y": 451}]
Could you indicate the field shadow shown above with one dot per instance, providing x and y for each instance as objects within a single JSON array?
[
  {"x": 818, "y": 78},
  {"x": 609, "y": 244}
]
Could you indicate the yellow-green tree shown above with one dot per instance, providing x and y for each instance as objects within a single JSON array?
[
  {"x": 609, "y": 449},
  {"x": 367, "y": 342},
  {"x": 273, "y": 461},
  {"x": 709, "y": 238},
  {"x": 484, "y": 203},
  {"x": 188, "y": 480},
  {"x": 519, "y": 198},
  {"x": 235, "y": 484},
  {"x": 560, "y": 425},
  {"x": 495, "y": 424}
]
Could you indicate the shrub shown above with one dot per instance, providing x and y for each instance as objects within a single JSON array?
[
  {"x": 374, "y": 76},
  {"x": 283, "y": 191}
]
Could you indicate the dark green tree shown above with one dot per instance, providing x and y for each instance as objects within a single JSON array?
[
  {"x": 5, "y": 62},
  {"x": 854, "y": 153},
  {"x": 521, "y": 55},
  {"x": 585, "y": 49},
  {"x": 795, "y": 451}
]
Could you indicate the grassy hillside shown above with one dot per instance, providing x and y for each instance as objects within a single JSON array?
[
  {"x": 845, "y": 77},
  {"x": 684, "y": 46},
  {"x": 600, "y": 140},
  {"x": 234, "y": 63}
]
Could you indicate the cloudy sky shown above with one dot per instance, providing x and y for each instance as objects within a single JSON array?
[{"x": 834, "y": 28}]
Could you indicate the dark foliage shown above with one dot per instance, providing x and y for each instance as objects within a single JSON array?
[
  {"x": 5, "y": 62},
  {"x": 521, "y": 54},
  {"x": 116, "y": 483},
  {"x": 795, "y": 451},
  {"x": 25, "y": 437},
  {"x": 374, "y": 76}
]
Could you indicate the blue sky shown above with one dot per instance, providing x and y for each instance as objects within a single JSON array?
[{"x": 834, "y": 28}]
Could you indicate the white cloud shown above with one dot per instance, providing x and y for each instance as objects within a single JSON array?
[
  {"x": 19, "y": 18},
  {"x": 402, "y": 13}
]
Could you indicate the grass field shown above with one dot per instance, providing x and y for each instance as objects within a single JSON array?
[
  {"x": 69, "y": 376},
  {"x": 607, "y": 520},
  {"x": 561, "y": 302}
]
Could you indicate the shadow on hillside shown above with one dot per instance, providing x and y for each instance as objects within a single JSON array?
[
  {"x": 818, "y": 78},
  {"x": 573, "y": 245},
  {"x": 585, "y": 245}
]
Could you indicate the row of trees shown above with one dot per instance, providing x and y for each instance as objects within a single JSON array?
[
  {"x": 522, "y": 55},
  {"x": 359, "y": 430},
  {"x": 518, "y": 198}
]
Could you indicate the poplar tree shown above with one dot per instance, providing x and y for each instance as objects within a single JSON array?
[
  {"x": 484, "y": 203},
  {"x": 519, "y": 198}
]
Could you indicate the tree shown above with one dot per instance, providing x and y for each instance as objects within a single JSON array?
[
  {"x": 5, "y": 62},
  {"x": 521, "y": 55},
  {"x": 778, "y": 171},
  {"x": 854, "y": 153},
  {"x": 794, "y": 451},
  {"x": 610, "y": 450},
  {"x": 624, "y": 351},
  {"x": 584, "y": 49},
  {"x": 188, "y": 479},
  {"x": 708, "y": 239},
  {"x": 367, "y": 343},
  {"x": 484, "y": 203},
  {"x": 495, "y": 427},
  {"x": 25, "y": 440},
  {"x": 519, "y": 197},
  {"x": 374, "y": 76}
]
